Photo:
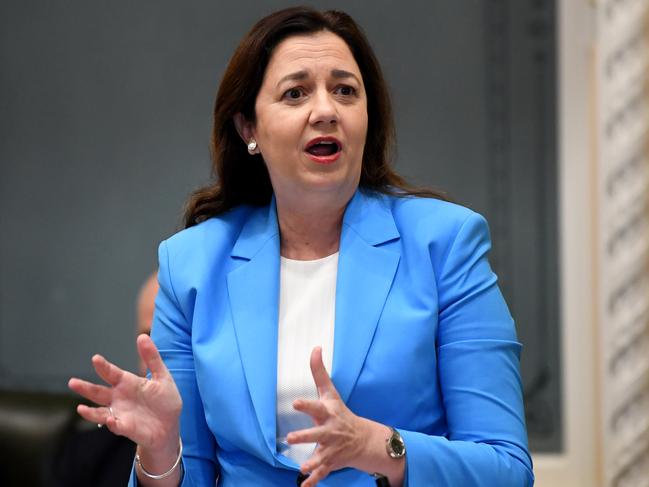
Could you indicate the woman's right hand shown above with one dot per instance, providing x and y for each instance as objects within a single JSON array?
[{"x": 145, "y": 410}]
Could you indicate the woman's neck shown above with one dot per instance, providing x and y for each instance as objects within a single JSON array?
[{"x": 309, "y": 234}]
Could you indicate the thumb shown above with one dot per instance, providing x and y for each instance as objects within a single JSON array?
[
  {"x": 151, "y": 357},
  {"x": 320, "y": 375}
]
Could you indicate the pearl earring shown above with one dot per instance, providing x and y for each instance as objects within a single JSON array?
[{"x": 252, "y": 146}]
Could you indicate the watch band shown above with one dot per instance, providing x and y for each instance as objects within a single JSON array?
[{"x": 381, "y": 480}]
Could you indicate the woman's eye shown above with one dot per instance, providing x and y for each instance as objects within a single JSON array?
[
  {"x": 346, "y": 90},
  {"x": 293, "y": 93}
]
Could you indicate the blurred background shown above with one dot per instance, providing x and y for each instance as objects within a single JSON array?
[{"x": 533, "y": 112}]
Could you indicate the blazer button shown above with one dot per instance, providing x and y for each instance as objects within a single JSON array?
[{"x": 301, "y": 477}]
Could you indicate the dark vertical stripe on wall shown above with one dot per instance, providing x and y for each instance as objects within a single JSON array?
[
  {"x": 520, "y": 131},
  {"x": 497, "y": 127}
]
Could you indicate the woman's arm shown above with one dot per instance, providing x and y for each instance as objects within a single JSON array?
[
  {"x": 171, "y": 333},
  {"x": 478, "y": 360}
]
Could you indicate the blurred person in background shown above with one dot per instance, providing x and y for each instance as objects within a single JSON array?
[{"x": 144, "y": 309}]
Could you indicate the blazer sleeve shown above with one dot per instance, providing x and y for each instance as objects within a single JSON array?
[
  {"x": 171, "y": 333},
  {"x": 478, "y": 360}
]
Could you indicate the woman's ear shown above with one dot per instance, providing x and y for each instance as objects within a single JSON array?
[{"x": 244, "y": 128}]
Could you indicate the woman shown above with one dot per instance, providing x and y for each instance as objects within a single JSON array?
[{"x": 310, "y": 255}]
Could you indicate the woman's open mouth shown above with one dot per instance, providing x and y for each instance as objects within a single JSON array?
[{"x": 324, "y": 150}]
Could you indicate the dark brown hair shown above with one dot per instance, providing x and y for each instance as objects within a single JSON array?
[{"x": 240, "y": 178}]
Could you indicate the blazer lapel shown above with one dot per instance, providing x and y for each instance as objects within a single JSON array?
[
  {"x": 365, "y": 274},
  {"x": 253, "y": 289}
]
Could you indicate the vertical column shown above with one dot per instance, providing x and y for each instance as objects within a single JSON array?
[{"x": 622, "y": 66}]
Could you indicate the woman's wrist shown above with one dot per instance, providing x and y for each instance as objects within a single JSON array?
[
  {"x": 166, "y": 444},
  {"x": 374, "y": 457},
  {"x": 163, "y": 475},
  {"x": 160, "y": 460}
]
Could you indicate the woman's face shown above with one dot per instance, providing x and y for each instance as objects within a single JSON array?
[{"x": 311, "y": 118}]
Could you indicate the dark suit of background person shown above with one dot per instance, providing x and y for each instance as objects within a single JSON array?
[
  {"x": 423, "y": 341},
  {"x": 93, "y": 457}
]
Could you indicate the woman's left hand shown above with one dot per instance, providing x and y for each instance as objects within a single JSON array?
[{"x": 341, "y": 435}]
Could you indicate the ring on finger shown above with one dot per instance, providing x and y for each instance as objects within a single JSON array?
[{"x": 110, "y": 410}]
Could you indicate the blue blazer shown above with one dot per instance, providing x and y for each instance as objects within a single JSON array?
[{"x": 423, "y": 342}]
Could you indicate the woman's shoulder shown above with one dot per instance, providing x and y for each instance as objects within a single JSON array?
[
  {"x": 446, "y": 230},
  {"x": 224, "y": 227},
  {"x": 197, "y": 247},
  {"x": 191, "y": 254},
  {"x": 434, "y": 215}
]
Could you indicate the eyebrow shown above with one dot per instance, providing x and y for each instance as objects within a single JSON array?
[
  {"x": 342, "y": 74},
  {"x": 302, "y": 75}
]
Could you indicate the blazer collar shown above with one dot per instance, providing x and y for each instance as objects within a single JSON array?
[
  {"x": 370, "y": 216},
  {"x": 367, "y": 214},
  {"x": 365, "y": 273},
  {"x": 259, "y": 228}
]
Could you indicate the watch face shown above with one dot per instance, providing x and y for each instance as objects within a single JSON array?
[{"x": 396, "y": 445}]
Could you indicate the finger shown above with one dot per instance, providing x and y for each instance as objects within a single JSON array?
[
  {"x": 313, "y": 462},
  {"x": 316, "y": 476},
  {"x": 96, "y": 393},
  {"x": 314, "y": 408},
  {"x": 110, "y": 373},
  {"x": 115, "y": 424},
  {"x": 309, "y": 435},
  {"x": 320, "y": 374},
  {"x": 94, "y": 415},
  {"x": 151, "y": 357}
]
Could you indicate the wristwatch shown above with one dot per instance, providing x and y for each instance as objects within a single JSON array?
[{"x": 394, "y": 445}]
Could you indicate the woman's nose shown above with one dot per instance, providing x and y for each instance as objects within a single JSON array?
[{"x": 323, "y": 110}]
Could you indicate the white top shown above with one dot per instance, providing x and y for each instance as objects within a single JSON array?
[{"x": 307, "y": 306}]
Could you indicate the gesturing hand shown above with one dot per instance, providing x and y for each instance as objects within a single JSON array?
[
  {"x": 340, "y": 434},
  {"x": 146, "y": 411}
]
